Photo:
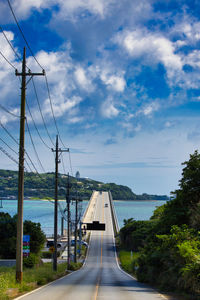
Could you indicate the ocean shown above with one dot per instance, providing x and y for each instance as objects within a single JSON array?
[{"x": 42, "y": 211}]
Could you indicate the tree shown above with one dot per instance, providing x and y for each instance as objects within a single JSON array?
[{"x": 8, "y": 233}]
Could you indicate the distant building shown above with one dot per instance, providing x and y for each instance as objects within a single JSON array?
[{"x": 77, "y": 175}]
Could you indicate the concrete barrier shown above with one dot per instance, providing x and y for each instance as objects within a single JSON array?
[
  {"x": 88, "y": 205},
  {"x": 113, "y": 214}
]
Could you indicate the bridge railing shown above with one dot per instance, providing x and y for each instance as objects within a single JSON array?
[
  {"x": 86, "y": 210},
  {"x": 114, "y": 216}
]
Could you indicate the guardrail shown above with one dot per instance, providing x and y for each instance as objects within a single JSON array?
[
  {"x": 86, "y": 210},
  {"x": 114, "y": 216}
]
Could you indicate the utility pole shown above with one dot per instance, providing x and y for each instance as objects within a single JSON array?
[
  {"x": 77, "y": 200},
  {"x": 19, "y": 245},
  {"x": 76, "y": 221},
  {"x": 68, "y": 223},
  {"x": 62, "y": 226},
  {"x": 57, "y": 161}
]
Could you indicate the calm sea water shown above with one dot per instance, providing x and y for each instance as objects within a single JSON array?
[
  {"x": 43, "y": 211},
  {"x": 138, "y": 210}
]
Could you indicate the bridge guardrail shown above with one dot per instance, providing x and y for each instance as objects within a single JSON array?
[
  {"x": 86, "y": 210},
  {"x": 114, "y": 216}
]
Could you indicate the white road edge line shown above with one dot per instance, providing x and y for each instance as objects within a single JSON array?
[
  {"x": 41, "y": 287},
  {"x": 132, "y": 277}
]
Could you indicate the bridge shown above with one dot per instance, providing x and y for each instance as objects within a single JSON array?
[{"x": 100, "y": 278}]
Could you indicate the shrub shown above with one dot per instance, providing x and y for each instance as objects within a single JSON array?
[{"x": 31, "y": 260}]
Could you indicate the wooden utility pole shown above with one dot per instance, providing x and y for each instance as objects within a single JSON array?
[
  {"x": 77, "y": 200},
  {"x": 68, "y": 223},
  {"x": 57, "y": 161},
  {"x": 19, "y": 246},
  {"x": 75, "y": 232}
]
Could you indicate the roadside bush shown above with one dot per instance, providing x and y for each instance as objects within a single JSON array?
[
  {"x": 75, "y": 266},
  {"x": 134, "y": 234},
  {"x": 48, "y": 254},
  {"x": 172, "y": 261},
  {"x": 30, "y": 261}
]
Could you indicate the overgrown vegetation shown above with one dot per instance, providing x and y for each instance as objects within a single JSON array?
[
  {"x": 43, "y": 187},
  {"x": 32, "y": 278},
  {"x": 168, "y": 245}
]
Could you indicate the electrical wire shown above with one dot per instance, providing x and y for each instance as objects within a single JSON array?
[
  {"x": 10, "y": 156},
  {"x": 51, "y": 105},
  {"x": 12, "y": 11},
  {"x": 8, "y": 146},
  {"x": 36, "y": 126},
  {"x": 63, "y": 165},
  {"x": 12, "y": 137},
  {"x": 14, "y": 16},
  {"x": 70, "y": 163},
  {"x": 17, "y": 55},
  {"x": 37, "y": 156},
  {"x": 8, "y": 61},
  {"x": 9, "y": 112},
  {"x": 38, "y": 102}
]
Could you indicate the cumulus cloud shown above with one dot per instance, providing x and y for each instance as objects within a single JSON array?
[
  {"x": 108, "y": 109},
  {"x": 83, "y": 79},
  {"x": 153, "y": 48},
  {"x": 114, "y": 82}
]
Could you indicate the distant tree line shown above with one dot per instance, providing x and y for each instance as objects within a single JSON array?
[{"x": 43, "y": 187}]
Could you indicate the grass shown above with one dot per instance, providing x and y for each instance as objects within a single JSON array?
[
  {"x": 127, "y": 258},
  {"x": 32, "y": 278}
]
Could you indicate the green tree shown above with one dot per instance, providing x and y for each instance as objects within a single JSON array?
[{"x": 8, "y": 233}]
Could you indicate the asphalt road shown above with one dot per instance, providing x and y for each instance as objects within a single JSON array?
[{"x": 100, "y": 278}]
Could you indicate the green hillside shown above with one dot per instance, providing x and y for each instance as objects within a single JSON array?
[{"x": 43, "y": 186}]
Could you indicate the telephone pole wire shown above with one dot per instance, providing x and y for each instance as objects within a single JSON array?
[
  {"x": 19, "y": 246},
  {"x": 57, "y": 161}
]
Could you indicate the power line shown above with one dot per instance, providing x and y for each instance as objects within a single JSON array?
[
  {"x": 48, "y": 90},
  {"x": 10, "y": 43},
  {"x": 70, "y": 163},
  {"x": 36, "y": 126},
  {"x": 10, "y": 156},
  {"x": 12, "y": 137},
  {"x": 63, "y": 165},
  {"x": 38, "y": 102},
  {"x": 8, "y": 61},
  {"x": 12, "y": 11},
  {"x": 15, "y": 153},
  {"x": 8, "y": 146},
  {"x": 38, "y": 159},
  {"x": 9, "y": 112}
]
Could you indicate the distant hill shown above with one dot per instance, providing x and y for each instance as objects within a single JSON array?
[{"x": 43, "y": 187}]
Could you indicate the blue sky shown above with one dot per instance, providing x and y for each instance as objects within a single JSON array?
[{"x": 124, "y": 78}]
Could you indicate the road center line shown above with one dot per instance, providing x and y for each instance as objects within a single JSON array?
[{"x": 98, "y": 282}]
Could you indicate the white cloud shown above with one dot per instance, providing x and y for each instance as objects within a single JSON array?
[
  {"x": 152, "y": 48},
  {"x": 67, "y": 9},
  {"x": 108, "y": 109},
  {"x": 23, "y": 8},
  {"x": 83, "y": 79},
  {"x": 147, "y": 110},
  {"x": 115, "y": 82}
]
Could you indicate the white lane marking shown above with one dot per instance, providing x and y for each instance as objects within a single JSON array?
[{"x": 116, "y": 258}]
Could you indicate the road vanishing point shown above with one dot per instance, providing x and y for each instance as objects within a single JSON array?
[{"x": 100, "y": 278}]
